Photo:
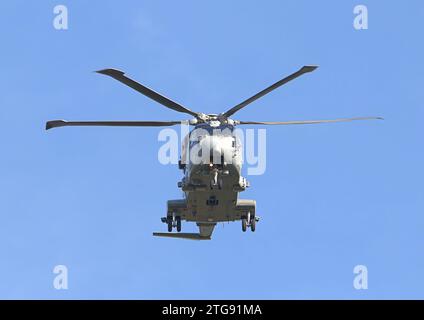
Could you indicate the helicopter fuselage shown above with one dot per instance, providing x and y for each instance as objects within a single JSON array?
[{"x": 211, "y": 159}]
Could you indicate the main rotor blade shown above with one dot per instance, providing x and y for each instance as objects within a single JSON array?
[
  {"x": 63, "y": 123},
  {"x": 304, "y": 69},
  {"x": 308, "y": 121},
  {"x": 120, "y": 76}
]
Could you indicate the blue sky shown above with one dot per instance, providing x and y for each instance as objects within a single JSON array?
[{"x": 333, "y": 196}]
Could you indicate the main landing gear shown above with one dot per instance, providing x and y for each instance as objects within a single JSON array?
[
  {"x": 249, "y": 221},
  {"x": 172, "y": 222}
]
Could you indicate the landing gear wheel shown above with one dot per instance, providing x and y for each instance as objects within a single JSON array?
[
  {"x": 178, "y": 224},
  {"x": 253, "y": 224},
  {"x": 169, "y": 224},
  {"x": 244, "y": 224}
]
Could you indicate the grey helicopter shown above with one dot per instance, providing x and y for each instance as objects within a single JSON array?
[{"x": 212, "y": 178}]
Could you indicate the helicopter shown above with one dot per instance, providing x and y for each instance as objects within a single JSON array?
[{"x": 212, "y": 178}]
